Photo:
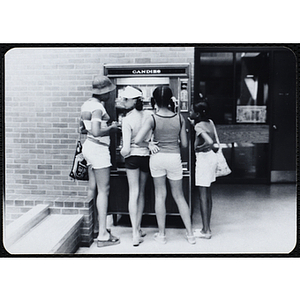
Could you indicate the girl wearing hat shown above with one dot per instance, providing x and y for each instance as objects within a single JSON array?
[
  {"x": 168, "y": 128},
  {"x": 136, "y": 158},
  {"x": 96, "y": 152}
]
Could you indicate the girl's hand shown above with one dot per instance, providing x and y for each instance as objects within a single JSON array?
[
  {"x": 152, "y": 146},
  {"x": 192, "y": 122},
  {"x": 115, "y": 126},
  {"x": 125, "y": 152}
]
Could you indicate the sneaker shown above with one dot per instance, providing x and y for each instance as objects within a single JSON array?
[
  {"x": 191, "y": 239},
  {"x": 160, "y": 238},
  {"x": 199, "y": 234}
]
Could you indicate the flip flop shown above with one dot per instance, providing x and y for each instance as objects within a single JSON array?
[
  {"x": 137, "y": 241},
  {"x": 113, "y": 240}
]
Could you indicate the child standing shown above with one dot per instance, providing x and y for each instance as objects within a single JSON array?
[
  {"x": 136, "y": 158},
  {"x": 206, "y": 163},
  {"x": 168, "y": 129}
]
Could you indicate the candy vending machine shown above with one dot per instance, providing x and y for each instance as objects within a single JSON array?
[{"x": 147, "y": 77}]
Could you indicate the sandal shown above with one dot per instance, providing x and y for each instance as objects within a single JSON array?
[
  {"x": 137, "y": 241},
  {"x": 113, "y": 240},
  {"x": 142, "y": 233},
  {"x": 160, "y": 238}
]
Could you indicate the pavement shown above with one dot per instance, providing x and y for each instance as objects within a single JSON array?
[{"x": 246, "y": 219}]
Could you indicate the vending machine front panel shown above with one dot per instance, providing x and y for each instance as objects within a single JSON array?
[{"x": 147, "y": 78}]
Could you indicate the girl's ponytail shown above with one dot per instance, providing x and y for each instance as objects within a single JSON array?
[{"x": 139, "y": 104}]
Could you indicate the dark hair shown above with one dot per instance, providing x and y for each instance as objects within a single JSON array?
[
  {"x": 202, "y": 107},
  {"x": 152, "y": 102},
  {"x": 139, "y": 104},
  {"x": 162, "y": 96},
  {"x": 139, "y": 100},
  {"x": 171, "y": 105}
]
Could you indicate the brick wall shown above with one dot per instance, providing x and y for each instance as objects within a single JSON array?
[{"x": 44, "y": 89}]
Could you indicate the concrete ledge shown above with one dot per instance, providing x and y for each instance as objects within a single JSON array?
[
  {"x": 55, "y": 234},
  {"x": 22, "y": 225},
  {"x": 16, "y": 205}
]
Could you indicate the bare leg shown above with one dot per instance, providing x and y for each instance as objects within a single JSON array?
[
  {"x": 134, "y": 190},
  {"x": 92, "y": 192},
  {"x": 177, "y": 193},
  {"x": 141, "y": 199},
  {"x": 205, "y": 207},
  {"x": 102, "y": 178},
  {"x": 160, "y": 203}
]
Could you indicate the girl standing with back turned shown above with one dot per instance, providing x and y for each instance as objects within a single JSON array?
[
  {"x": 136, "y": 159},
  {"x": 168, "y": 129}
]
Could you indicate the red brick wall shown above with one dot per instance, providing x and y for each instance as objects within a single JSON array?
[{"x": 44, "y": 89}]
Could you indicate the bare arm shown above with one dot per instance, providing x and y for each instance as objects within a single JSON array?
[
  {"x": 206, "y": 145},
  {"x": 148, "y": 125},
  {"x": 96, "y": 125},
  {"x": 82, "y": 128},
  {"x": 183, "y": 135},
  {"x": 126, "y": 137}
]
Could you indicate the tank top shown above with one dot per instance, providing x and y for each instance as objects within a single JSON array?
[
  {"x": 91, "y": 106},
  {"x": 166, "y": 133},
  {"x": 207, "y": 127}
]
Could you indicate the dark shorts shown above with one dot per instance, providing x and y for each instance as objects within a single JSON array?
[{"x": 137, "y": 162}]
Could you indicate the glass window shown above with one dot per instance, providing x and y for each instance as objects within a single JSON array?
[
  {"x": 236, "y": 85},
  {"x": 252, "y": 87},
  {"x": 216, "y": 78}
]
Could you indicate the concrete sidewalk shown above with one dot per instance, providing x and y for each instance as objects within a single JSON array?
[{"x": 246, "y": 219}]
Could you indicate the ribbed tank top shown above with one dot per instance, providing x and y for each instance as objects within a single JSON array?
[{"x": 166, "y": 133}]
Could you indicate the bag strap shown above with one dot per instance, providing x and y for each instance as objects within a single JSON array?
[{"x": 216, "y": 134}]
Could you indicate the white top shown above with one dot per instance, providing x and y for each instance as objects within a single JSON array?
[
  {"x": 131, "y": 124},
  {"x": 92, "y": 105}
]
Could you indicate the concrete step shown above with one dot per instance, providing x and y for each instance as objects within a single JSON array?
[
  {"x": 53, "y": 234},
  {"x": 15, "y": 230}
]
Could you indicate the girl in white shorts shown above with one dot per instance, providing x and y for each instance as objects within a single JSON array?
[
  {"x": 206, "y": 163},
  {"x": 165, "y": 162},
  {"x": 95, "y": 150}
]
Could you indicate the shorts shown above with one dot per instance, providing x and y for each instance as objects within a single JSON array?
[
  {"x": 137, "y": 162},
  {"x": 97, "y": 156},
  {"x": 206, "y": 164},
  {"x": 166, "y": 164}
]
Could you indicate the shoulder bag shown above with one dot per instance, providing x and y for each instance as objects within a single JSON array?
[
  {"x": 79, "y": 169},
  {"x": 222, "y": 166}
]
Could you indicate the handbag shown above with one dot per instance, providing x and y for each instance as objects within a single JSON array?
[
  {"x": 79, "y": 168},
  {"x": 222, "y": 168}
]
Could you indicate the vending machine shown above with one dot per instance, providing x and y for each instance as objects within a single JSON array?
[{"x": 147, "y": 77}]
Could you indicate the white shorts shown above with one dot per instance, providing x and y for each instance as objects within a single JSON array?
[
  {"x": 166, "y": 164},
  {"x": 206, "y": 164},
  {"x": 97, "y": 156}
]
